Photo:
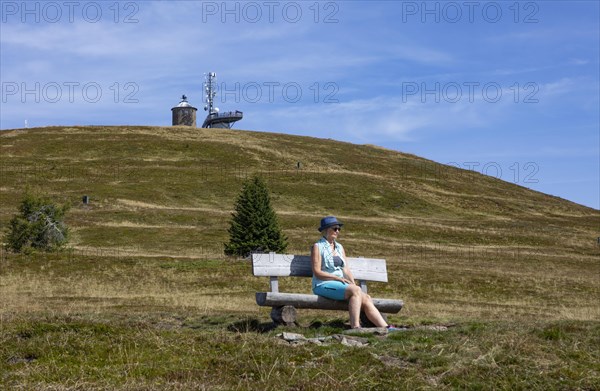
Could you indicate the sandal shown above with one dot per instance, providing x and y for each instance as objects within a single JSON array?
[{"x": 391, "y": 327}]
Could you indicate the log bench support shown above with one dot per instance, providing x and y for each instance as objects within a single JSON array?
[
  {"x": 284, "y": 305},
  {"x": 285, "y": 315}
]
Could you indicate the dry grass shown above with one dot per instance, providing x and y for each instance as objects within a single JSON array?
[
  {"x": 162, "y": 323},
  {"x": 145, "y": 300}
]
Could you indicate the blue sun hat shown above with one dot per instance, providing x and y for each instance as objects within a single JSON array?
[{"x": 329, "y": 221}]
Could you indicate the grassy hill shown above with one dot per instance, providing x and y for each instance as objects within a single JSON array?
[{"x": 517, "y": 272}]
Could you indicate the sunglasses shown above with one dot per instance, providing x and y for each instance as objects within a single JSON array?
[{"x": 336, "y": 229}]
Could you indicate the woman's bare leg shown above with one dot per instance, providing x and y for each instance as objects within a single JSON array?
[
  {"x": 372, "y": 312},
  {"x": 354, "y": 296}
]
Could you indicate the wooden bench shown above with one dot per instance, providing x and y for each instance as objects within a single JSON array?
[{"x": 284, "y": 305}]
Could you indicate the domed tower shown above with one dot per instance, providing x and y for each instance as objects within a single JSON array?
[{"x": 184, "y": 113}]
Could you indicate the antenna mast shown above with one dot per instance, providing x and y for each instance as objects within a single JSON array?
[
  {"x": 210, "y": 92},
  {"x": 214, "y": 119}
]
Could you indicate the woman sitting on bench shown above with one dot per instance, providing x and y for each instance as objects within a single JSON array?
[{"x": 333, "y": 279}]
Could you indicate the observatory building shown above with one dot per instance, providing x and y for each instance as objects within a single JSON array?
[
  {"x": 215, "y": 119},
  {"x": 184, "y": 113}
]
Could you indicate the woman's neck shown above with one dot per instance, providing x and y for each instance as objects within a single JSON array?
[{"x": 329, "y": 240}]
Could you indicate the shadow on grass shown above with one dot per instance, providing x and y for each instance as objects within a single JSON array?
[
  {"x": 334, "y": 324},
  {"x": 251, "y": 325}
]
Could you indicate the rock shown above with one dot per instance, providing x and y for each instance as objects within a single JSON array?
[
  {"x": 347, "y": 341},
  {"x": 351, "y": 340},
  {"x": 320, "y": 340},
  {"x": 315, "y": 341},
  {"x": 432, "y": 328},
  {"x": 292, "y": 337}
]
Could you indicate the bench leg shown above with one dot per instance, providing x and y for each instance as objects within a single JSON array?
[{"x": 285, "y": 315}]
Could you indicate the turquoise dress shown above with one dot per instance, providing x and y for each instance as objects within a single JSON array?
[{"x": 329, "y": 263}]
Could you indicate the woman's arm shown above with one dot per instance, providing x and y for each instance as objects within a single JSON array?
[
  {"x": 347, "y": 272},
  {"x": 315, "y": 256}
]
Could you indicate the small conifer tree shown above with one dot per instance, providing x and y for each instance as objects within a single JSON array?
[
  {"x": 39, "y": 225},
  {"x": 254, "y": 225}
]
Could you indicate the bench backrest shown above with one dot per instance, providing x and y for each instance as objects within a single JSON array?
[{"x": 282, "y": 265}]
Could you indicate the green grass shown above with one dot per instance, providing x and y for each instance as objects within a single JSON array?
[
  {"x": 175, "y": 351},
  {"x": 143, "y": 299}
]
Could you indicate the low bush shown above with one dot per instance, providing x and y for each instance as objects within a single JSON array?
[{"x": 38, "y": 225}]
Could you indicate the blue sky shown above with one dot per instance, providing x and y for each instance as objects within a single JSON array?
[{"x": 507, "y": 88}]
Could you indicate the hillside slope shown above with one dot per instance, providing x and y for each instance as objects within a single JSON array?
[
  {"x": 169, "y": 192},
  {"x": 162, "y": 169}
]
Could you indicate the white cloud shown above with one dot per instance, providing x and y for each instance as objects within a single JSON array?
[{"x": 420, "y": 54}]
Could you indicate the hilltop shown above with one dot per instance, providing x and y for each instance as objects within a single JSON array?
[{"x": 186, "y": 179}]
